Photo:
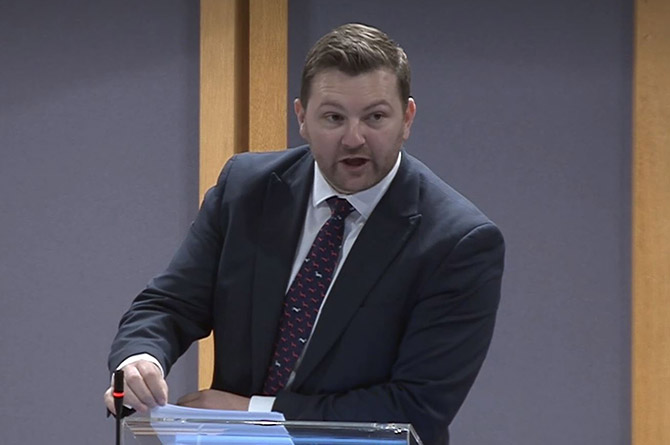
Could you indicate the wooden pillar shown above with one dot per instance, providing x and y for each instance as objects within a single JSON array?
[
  {"x": 268, "y": 73},
  {"x": 651, "y": 225},
  {"x": 243, "y": 87}
]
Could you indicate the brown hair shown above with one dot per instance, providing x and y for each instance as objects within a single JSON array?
[{"x": 355, "y": 49}]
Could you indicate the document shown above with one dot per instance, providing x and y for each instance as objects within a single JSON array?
[
  {"x": 170, "y": 411},
  {"x": 178, "y": 425}
]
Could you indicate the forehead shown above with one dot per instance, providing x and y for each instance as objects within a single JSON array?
[{"x": 335, "y": 86}]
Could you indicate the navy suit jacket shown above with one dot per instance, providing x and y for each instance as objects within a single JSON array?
[{"x": 404, "y": 330}]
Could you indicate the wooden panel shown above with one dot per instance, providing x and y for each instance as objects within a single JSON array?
[
  {"x": 243, "y": 84},
  {"x": 651, "y": 225},
  {"x": 223, "y": 108},
  {"x": 268, "y": 84},
  {"x": 223, "y": 86}
]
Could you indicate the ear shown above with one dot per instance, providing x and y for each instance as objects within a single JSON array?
[
  {"x": 410, "y": 112},
  {"x": 300, "y": 116}
]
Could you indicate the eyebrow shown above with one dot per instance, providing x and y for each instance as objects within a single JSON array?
[
  {"x": 382, "y": 102},
  {"x": 331, "y": 104},
  {"x": 378, "y": 103}
]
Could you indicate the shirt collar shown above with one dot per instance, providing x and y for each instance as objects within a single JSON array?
[{"x": 364, "y": 201}]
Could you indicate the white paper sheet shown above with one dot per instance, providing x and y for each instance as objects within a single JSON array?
[
  {"x": 177, "y": 425},
  {"x": 170, "y": 411}
]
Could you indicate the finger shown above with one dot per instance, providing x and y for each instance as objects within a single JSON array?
[
  {"x": 154, "y": 381},
  {"x": 130, "y": 399},
  {"x": 137, "y": 391},
  {"x": 109, "y": 400}
]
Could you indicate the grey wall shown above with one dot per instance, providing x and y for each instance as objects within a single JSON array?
[
  {"x": 524, "y": 106},
  {"x": 98, "y": 183}
]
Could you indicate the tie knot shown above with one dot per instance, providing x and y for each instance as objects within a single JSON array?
[{"x": 339, "y": 207}]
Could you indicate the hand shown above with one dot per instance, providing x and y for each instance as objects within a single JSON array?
[
  {"x": 144, "y": 387},
  {"x": 214, "y": 399}
]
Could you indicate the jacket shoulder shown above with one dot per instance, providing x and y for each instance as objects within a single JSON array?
[
  {"x": 250, "y": 171},
  {"x": 447, "y": 216}
]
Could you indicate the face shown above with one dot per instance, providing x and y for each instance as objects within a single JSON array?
[{"x": 355, "y": 126}]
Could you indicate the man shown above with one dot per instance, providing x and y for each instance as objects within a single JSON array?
[{"x": 343, "y": 280}]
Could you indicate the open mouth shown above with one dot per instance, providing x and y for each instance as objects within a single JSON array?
[{"x": 354, "y": 162}]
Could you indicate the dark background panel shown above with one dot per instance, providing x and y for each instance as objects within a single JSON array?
[
  {"x": 98, "y": 184},
  {"x": 524, "y": 107}
]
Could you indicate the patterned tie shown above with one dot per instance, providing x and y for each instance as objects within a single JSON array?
[{"x": 304, "y": 297}]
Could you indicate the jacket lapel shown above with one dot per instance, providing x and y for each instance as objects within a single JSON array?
[
  {"x": 383, "y": 236},
  {"x": 282, "y": 219}
]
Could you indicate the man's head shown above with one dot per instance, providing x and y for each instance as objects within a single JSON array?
[
  {"x": 356, "y": 49},
  {"x": 354, "y": 107}
]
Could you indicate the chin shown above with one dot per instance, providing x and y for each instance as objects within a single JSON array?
[
  {"x": 355, "y": 188},
  {"x": 350, "y": 185}
]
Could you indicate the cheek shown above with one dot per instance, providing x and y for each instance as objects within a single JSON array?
[
  {"x": 326, "y": 140},
  {"x": 385, "y": 143},
  {"x": 385, "y": 147}
]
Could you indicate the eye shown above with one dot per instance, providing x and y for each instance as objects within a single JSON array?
[
  {"x": 376, "y": 117},
  {"x": 333, "y": 118}
]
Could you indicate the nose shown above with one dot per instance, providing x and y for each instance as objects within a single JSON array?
[{"x": 353, "y": 137}]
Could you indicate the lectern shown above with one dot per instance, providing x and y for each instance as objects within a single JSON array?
[{"x": 192, "y": 431}]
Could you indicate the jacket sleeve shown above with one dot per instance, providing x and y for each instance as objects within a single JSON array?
[
  {"x": 440, "y": 353},
  {"x": 175, "y": 308}
]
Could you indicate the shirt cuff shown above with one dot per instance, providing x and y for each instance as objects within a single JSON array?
[
  {"x": 261, "y": 404},
  {"x": 137, "y": 358}
]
